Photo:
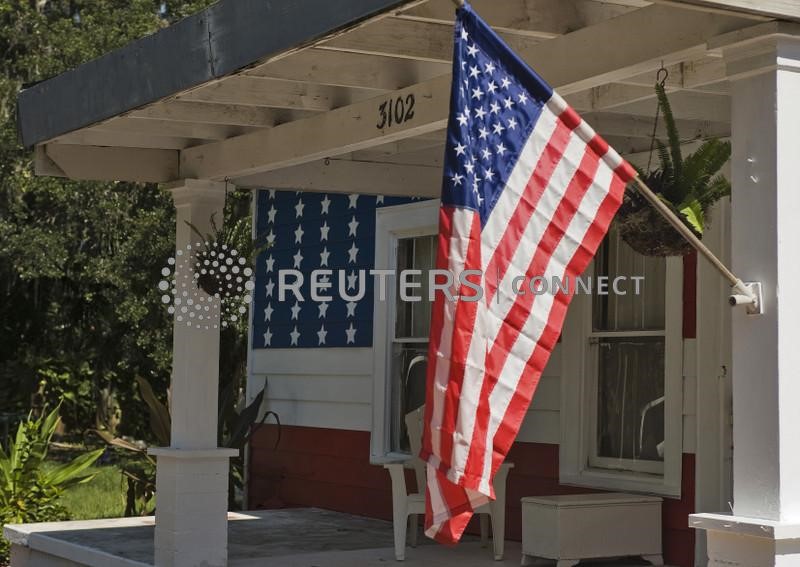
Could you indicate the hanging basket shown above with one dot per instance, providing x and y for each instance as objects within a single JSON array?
[{"x": 646, "y": 231}]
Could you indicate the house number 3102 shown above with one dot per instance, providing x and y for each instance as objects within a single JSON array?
[{"x": 395, "y": 111}]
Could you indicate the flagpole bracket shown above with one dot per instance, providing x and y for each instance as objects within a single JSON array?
[{"x": 749, "y": 295}]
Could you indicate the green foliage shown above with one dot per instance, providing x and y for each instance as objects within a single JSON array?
[
  {"x": 692, "y": 184},
  {"x": 103, "y": 497},
  {"x": 30, "y": 491},
  {"x": 79, "y": 314}
]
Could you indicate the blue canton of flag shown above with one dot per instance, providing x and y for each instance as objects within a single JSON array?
[{"x": 311, "y": 231}]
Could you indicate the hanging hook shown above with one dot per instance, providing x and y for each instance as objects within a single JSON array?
[{"x": 662, "y": 75}]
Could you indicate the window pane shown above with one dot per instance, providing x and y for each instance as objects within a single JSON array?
[
  {"x": 630, "y": 398},
  {"x": 414, "y": 318},
  {"x": 630, "y": 312},
  {"x": 409, "y": 363}
]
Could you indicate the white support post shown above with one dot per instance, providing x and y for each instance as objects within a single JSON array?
[
  {"x": 764, "y": 529},
  {"x": 192, "y": 473}
]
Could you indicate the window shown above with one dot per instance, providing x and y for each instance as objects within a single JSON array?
[
  {"x": 405, "y": 239},
  {"x": 621, "y": 385}
]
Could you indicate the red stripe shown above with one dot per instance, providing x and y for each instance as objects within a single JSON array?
[
  {"x": 437, "y": 324},
  {"x": 540, "y": 179},
  {"x": 518, "y": 406},
  {"x": 463, "y": 329},
  {"x": 515, "y": 320}
]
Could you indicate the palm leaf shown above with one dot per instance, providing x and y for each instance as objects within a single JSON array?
[
  {"x": 160, "y": 421},
  {"x": 73, "y": 472},
  {"x": 673, "y": 137}
]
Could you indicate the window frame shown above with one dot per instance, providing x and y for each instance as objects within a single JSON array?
[
  {"x": 391, "y": 225},
  {"x": 579, "y": 397}
]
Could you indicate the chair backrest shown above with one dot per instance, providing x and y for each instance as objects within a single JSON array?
[{"x": 414, "y": 428}]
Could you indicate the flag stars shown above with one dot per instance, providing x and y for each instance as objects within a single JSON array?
[
  {"x": 351, "y": 308},
  {"x": 477, "y": 93},
  {"x": 460, "y": 149},
  {"x": 325, "y": 203},
  {"x": 486, "y": 154},
  {"x": 324, "y": 230},
  {"x": 489, "y": 174},
  {"x": 489, "y": 69},
  {"x": 298, "y": 259},
  {"x": 480, "y": 112},
  {"x": 474, "y": 72},
  {"x": 268, "y": 338},
  {"x": 295, "y": 336},
  {"x": 352, "y": 226},
  {"x": 295, "y": 311},
  {"x": 457, "y": 179},
  {"x": 268, "y": 312},
  {"x": 508, "y": 103},
  {"x": 498, "y": 128},
  {"x": 323, "y": 309},
  {"x": 501, "y": 149},
  {"x": 351, "y": 334},
  {"x": 353, "y": 253},
  {"x": 270, "y": 287},
  {"x": 512, "y": 123},
  {"x": 323, "y": 257},
  {"x": 298, "y": 209},
  {"x": 270, "y": 263},
  {"x": 353, "y": 200},
  {"x": 271, "y": 237},
  {"x": 483, "y": 133},
  {"x": 462, "y": 119},
  {"x": 504, "y": 83},
  {"x": 522, "y": 98},
  {"x": 464, "y": 35},
  {"x": 470, "y": 167},
  {"x": 495, "y": 108},
  {"x": 298, "y": 234},
  {"x": 351, "y": 280},
  {"x": 271, "y": 214},
  {"x": 472, "y": 50},
  {"x": 492, "y": 87},
  {"x": 321, "y": 334}
]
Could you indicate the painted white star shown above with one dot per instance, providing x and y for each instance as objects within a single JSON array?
[
  {"x": 294, "y": 335},
  {"x": 495, "y": 108},
  {"x": 498, "y": 128},
  {"x": 477, "y": 93},
  {"x": 268, "y": 312},
  {"x": 351, "y": 334},
  {"x": 351, "y": 308},
  {"x": 512, "y": 123},
  {"x": 353, "y": 252},
  {"x": 508, "y": 103},
  {"x": 272, "y": 193},
  {"x": 270, "y": 286},
  {"x": 460, "y": 149},
  {"x": 464, "y": 34},
  {"x": 297, "y": 259},
  {"x": 295, "y": 310},
  {"x": 489, "y": 174},
  {"x": 522, "y": 98},
  {"x": 271, "y": 213},
  {"x": 268, "y": 338},
  {"x": 271, "y": 237},
  {"x": 505, "y": 82},
  {"x": 379, "y": 200},
  {"x": 323, "y": 257},
  {"x": 298, "y": 235},
  {"x": 353, "y": 226},
  {"x": 351, "y": 281},
  {"x": 270, "y": 263},
  {"x": 480, "y": 200},
  {"x": 486, "y": 154},
  {"x": 457, "y": 178},
  {"x": 470, "y": 167},
  {"x": 492, "y": 87},
  {"x": 462, "y": 120},
  {"x": 490, "y": 67},
  {"x": 480, "y": 112},
  {"x": 323, "y": 309},
  {"x": 323, "y": 231},
  {"x": 298, "y": 209},
  {"x": 326, "y": 203},
  {"x": 474, "y": 71},
  {"x": 501, "y": 149},
  {"x": 353, "y": 199},
  {"x": 472, "y": 50},
  {"x": 483, "y": 133},
  {"x": 321, "y": 334}
]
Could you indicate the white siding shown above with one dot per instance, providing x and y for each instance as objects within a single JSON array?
[{"x": 542, "y": 422}]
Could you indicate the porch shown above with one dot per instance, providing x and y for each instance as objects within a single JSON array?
[{"x": 297, "y": 537}]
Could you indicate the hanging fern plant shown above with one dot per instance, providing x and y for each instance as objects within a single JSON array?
[{"x": 690, "y": 186}]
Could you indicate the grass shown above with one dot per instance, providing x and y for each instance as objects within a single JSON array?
[{"x": 101, "y": 497}]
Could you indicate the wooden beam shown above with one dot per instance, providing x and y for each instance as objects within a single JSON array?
[
  {"x": 259, "y": 91},
  {"x": 171, "y": 128},
  {"x": 114, "y": 164},
  {"x": 782, "y": 9},
  {"x": 353, "y": 70},
  {"x": 621, "y": 125},
  {"x": 345, "y": 176},
  {"x": 577, "y": 61},
  {"x": 207, "y": 113},
  {"x": 609, "y": 96},
  {"x": 90, "y": 137},
  {"x": 688, "y": 105}
]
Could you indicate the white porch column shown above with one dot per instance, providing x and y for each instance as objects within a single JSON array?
[
  {"x": 764, "y": 70},
  {"x": 192, "y": 474}
]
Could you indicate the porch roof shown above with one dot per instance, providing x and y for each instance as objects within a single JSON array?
[{"x": 246, "y": 88}]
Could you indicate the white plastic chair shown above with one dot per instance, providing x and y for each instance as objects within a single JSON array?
[{"x": 407, "y": 507}]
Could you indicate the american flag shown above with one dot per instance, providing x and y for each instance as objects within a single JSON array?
[
  {"x": 529, "y": 190},
  {"x": 312, "y": 231}
]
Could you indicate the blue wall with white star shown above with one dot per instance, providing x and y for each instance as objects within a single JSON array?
[{"x": 311, "y": 231}]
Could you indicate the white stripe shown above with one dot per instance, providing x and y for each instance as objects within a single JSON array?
[
  {"x": 507, "y": 203},
  {"x": 534, "y": 326}
]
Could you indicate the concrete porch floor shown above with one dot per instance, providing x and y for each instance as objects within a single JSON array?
[{"x": 298, "y": 537}]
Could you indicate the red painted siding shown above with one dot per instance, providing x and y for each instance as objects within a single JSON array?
[
  {"x": 329, "y": 468},
  {"x": 690, "y": 296}
]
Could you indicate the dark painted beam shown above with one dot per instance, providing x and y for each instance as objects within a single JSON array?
[{"x": 226, "y": 37}]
